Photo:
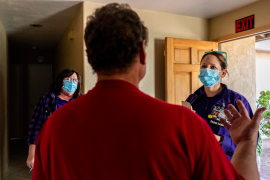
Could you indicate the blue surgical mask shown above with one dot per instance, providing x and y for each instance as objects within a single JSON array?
[
  {"x": 209, "y": 77},
  {"x": 70, "y": 86}
]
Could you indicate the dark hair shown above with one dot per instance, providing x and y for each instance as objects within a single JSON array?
[
  {"x": 113, "y": 37},
  {"x": 58, "y": 82},
  {"x": 220, "y": 57}
]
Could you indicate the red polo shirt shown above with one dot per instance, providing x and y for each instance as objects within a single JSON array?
[{"x": 117, "y": 132}]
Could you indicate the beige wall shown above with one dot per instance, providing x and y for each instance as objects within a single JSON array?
[
  {"x": 90, "y": 78},
  {"x": 3, "y": 101},
  {"x": 224, "y": 25},
  {"x": 160, "y": 25},
  {"x": 69, "y": 53},
  {"x": 262, "y": 71},
  {"x": 242, "y": 68}
]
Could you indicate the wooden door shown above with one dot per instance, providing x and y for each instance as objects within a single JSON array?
[{"x": 182, "y": 67}]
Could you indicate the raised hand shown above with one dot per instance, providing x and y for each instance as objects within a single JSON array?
[{"x": 242, "y": 128}]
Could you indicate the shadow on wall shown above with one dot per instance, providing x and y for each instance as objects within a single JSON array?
[{"x": 160, "y": 69}]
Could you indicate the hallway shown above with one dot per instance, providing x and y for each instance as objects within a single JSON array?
[{"x": 17, "y": 169}]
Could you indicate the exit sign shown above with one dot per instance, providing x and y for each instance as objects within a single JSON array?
[{"x": 244, "y": 24}]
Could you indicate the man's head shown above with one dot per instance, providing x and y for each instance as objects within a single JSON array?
[{"x": 114, "y": 37}]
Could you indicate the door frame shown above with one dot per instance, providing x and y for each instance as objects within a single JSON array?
[{"x": 244, "y": 34}]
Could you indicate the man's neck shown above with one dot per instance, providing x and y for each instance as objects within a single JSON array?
[
  {"x": 133, "y": 75},
  {"x": 124, "y": 77},
  {"x": 213, "y": 90}
]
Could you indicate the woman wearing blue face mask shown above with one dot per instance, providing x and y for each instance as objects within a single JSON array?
[
  {"x": 64, "y": 89},
  {"x": 210, "y": 100}
]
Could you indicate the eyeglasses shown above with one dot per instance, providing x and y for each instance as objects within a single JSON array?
[
  {"x": 71, "y": 80},
  {"x": 219, "y": 52}
]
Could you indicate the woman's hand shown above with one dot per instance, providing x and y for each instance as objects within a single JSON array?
[
  {"x": 30, "y": 161},
  {"x": 31, "y": 156}
]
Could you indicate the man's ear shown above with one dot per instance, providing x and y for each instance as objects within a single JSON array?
[{"x": 143, "y": 54}]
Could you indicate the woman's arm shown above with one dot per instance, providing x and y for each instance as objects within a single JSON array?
[
  {"x": 36, "y": 121},
  {"x": 31, "y": 155},
  {"x": 34, "y": 128}
]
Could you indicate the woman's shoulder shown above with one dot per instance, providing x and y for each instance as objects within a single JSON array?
[
  {"x": 235, "y": 95},
  {"x": 45, "y": 100},
  {"x": 47, "y": 96},
  {"x": 193, "y": 97}
]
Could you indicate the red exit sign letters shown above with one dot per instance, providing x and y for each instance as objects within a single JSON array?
[{"x": 244, "y": 24}]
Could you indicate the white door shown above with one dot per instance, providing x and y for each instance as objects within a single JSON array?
[{"x": 39, "y": 79}]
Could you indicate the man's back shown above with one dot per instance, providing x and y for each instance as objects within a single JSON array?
[{"x": 117, "y": 132}]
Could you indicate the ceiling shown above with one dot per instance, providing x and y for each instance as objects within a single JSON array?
[
  {"x": 196, "y": 8},
  {"x": 16, "y": 15},
  {"x": 54, "y": 16}
]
